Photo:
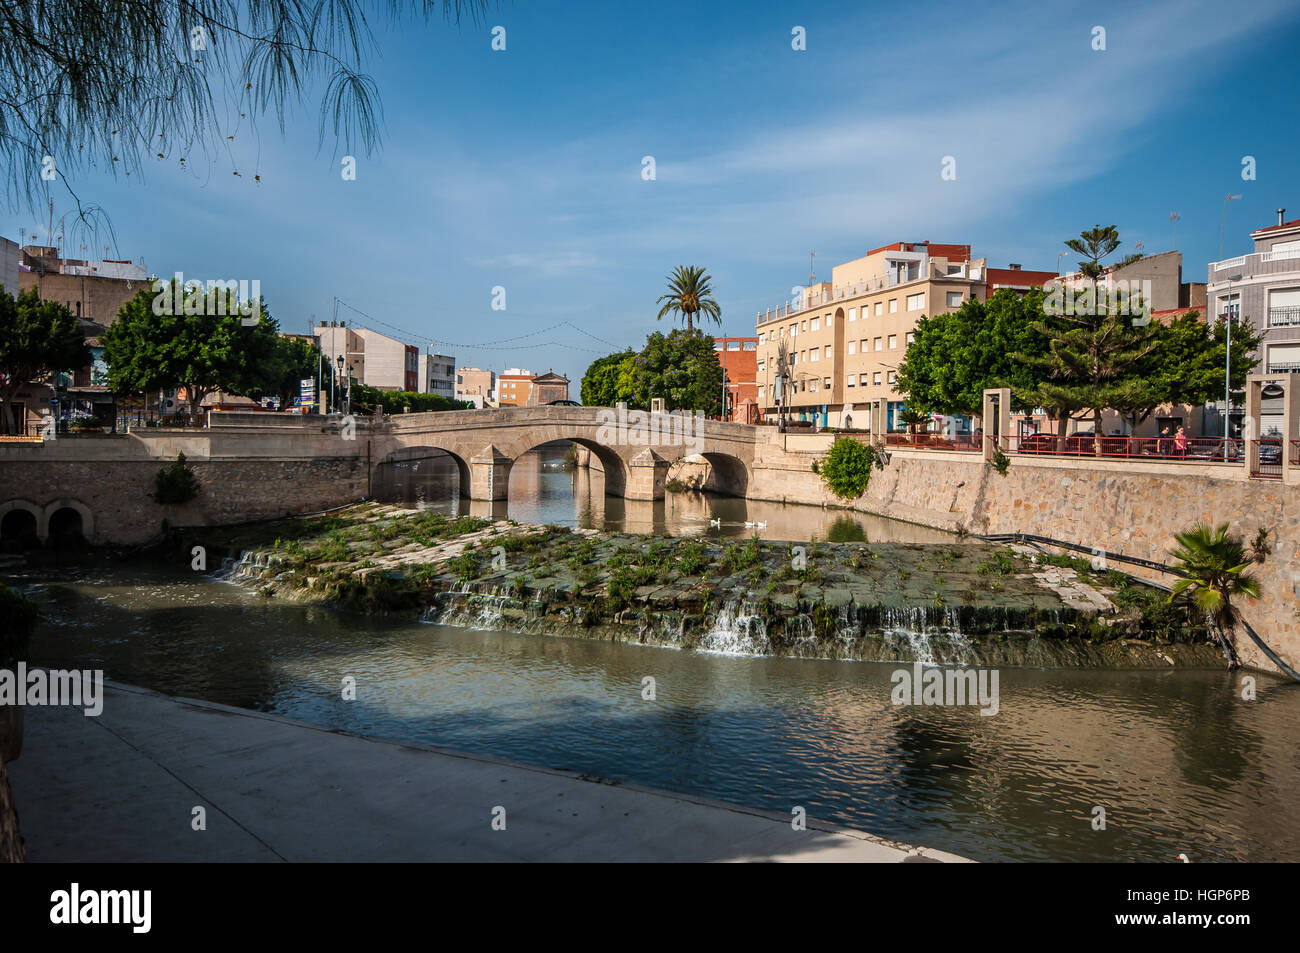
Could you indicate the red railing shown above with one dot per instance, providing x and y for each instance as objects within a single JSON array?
[
  {"x": 1295, "y": 453},
  {"x": 934, "y": 441},
  {"x": 1147, "y": 449},
  {"x": 1266, "y": 459}
]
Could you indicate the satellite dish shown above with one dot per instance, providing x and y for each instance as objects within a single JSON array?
[{"x": 1272, "y": 390}]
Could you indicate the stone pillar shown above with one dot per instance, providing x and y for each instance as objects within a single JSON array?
[
  {"x": 1251, "y": 424},
  {"x": 996, "y": 415},
  {"x": 879, "y": 416},
  {"x": 1290, "y": 428},
  {"x": 647, "y": 473},
  {"x": 489, "y": 474}
]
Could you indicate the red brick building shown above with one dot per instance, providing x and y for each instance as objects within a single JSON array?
[{"x": 739, "y": 360}]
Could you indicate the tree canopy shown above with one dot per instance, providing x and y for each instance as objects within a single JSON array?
[
  {"x": 37, "y": 338},
  {"x": 117, "y": 86},
  {"x": 690, "y": 292},
  {"x": 682, "y": 368},
  {"x": 953, "y": 357},
  {"x": 609, "y": 380}
]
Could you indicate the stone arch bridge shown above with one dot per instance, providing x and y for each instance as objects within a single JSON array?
[{"x": 259, "y": 465}]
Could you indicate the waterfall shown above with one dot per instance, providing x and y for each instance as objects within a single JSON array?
[{"x": 737, "y": 629}]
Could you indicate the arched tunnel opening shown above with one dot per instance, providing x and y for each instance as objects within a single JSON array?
[
  {"x": 66, "y": 528},
  {"x": 423, "y": 478},
  {"x": 18, "y": 531}
]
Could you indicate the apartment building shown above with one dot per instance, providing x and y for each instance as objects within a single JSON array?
[
  {"x": 91, "y": 290},
  {"x": 369, "y": 357},
  {"x": 476, "y": 385},
  {"x": 10, "y": 256},
  {"x": 1161, "y": 273},
  {"x": 514, "y": 387},
  {"x": 1263, "y": 287},
  {"x": 438, "y": 375},
  {"x": 739, "y": 360},
  {"x": 846, "y": 337}
]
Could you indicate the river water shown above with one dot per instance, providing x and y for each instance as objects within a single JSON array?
[{"x": 1178, "y": 760}]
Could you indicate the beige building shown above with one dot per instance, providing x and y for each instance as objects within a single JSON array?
[
  {"x": 1159, "y": 278},
  {"x": 514, "y": 387},
  {"x": 846, "y": 337},
  {"x": 548, "y": 387},
  {"x": 475, "y": 384}
]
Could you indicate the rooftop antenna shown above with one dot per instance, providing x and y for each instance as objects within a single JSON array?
[
  {"x": 1174, "y": 217},
  {"x": 812, "y": 274}
]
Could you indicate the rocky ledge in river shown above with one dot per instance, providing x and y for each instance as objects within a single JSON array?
[{"x": 964, "y": 602}]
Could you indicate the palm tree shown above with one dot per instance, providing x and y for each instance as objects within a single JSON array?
[
  {"x": 689, "y": 294},
  {"x": 1215, "y": 567}
]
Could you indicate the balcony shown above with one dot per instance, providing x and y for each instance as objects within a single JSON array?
[
  {"x": 1283, "y": 318},
  {"x": 1278, "y": 262}
]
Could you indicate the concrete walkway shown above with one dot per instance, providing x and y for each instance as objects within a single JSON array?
[{"x": 123, "y": 786}]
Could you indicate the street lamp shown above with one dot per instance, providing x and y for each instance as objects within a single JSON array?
[
  {"x": 340, "y": 374},
  {"x": 1227, "y": 369}
]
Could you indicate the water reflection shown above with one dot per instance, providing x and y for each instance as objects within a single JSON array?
[
  {"x": 544, "y": 490},
  {"x": 1178, "y": 761}
]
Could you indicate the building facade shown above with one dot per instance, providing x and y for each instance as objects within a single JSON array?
[
  {"x": 739, "y": 360},
  {"x": 1263, "y": 287},
  {"x": 846, "y": 337},
  {"x": 514, "y": 387},
  {"x": 438, "y": 375},
  {"x": 547, "y": 388},
  {"x": 476, "y": 385}
]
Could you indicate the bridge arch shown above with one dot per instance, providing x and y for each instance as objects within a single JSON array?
[
  {"x": 429, "y": 451},
  {"x": 728, "y": 475},
  {"x": 611, "y": 463},
  {"x": 68, "y": 520},
  {"x": 21, "y": 524}
]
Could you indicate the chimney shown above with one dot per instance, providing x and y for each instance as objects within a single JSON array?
[
  {"x": 1281, "y": 214},
  {"x": 1014, "y": 267}
]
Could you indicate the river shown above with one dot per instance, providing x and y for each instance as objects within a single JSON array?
[{"x": 1178, "y": 760}]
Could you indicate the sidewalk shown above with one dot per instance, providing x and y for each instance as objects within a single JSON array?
[{"x": 122, "y": 787}]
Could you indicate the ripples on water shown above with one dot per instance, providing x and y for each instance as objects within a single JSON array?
[{"x": 1177, "y": 759}]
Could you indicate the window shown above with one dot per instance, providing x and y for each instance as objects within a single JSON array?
[
  {"x": 862, "y": 379},
  {"x": 954, "y": 300},
  {"x": 1230, "y": 304},
  {"x": 916, "y": 302},
  {"x": 760, "y": 341},
  {"x": 893, "y": 305},
  {"x": 876, "y": 378},
  {"x": 803, "y": 357},
  {"x": 893, "y": 376},
  {"x": 751, "y": 346},
  {"x": 812, "y": 386},
  {"x": 880, "y": 306},
  {"x": 816, "y": 355},
  {"x": 733, "y": 345},
  {"x": 828, "y": 383},
  {"x": 794, "y": 331},
  {"x": 828, "y": 352},
  {"x": 853, "y": 316},
  {"x": 803, "y": 325},
  {"x": 817, "y": 325},
  {"x": 850, "y": 379},
  {"x": 880, "y": 346},
  {"x": 911, "y": 336},
  {"x": 830, "y": 320},
  {"x": 761, "y": 388},
  {"x": 853, "y": 348},
  {"x": 893, "y": 343},
  {"x": 762, "y": 366}
]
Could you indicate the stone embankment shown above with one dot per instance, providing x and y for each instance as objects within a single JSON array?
[{"x": 963, "y": 602}]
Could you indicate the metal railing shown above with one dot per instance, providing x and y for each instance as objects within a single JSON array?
[
  {"x": 1266, "y": 459},
  {"x": 935, "y": 441},
  {"x": 1295, "y": 453},
  {"x": 1146, "y": 449},
  {"x": 1283, "y": 317}
]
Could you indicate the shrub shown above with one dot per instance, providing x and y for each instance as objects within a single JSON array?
[
  {"x": 20, "y": 616},
  {"x": 846, "y": 469},
  {"x": 176, "y": 483}
]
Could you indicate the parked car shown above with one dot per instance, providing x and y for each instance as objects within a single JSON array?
[{"x": 563, "y": 403}]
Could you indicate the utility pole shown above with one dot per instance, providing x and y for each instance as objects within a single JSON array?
[{"x": 1224, "y": 220}]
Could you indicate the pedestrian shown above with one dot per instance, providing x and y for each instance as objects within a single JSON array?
[
  {"x": 1162, "y": 442},
  {"x": 1180, "y": 443}
]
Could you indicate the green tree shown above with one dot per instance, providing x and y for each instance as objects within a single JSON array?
[
  {"x": 682, "y": 368},
  {"x": 176, "y": 483},
  {"x": 369, "y": 399},
  {"x": 1096, "y": 355},
  {"x": 609, "y": 379},
  {"x": 954, "y": 357},
  {"x": 295, "y": 361},
  {"x": 1216, "y": 567},
  {"x": 120, "y": 85},
  {"x": 200, "y": 341},
  {"x": 37, "y": 338},
  {"x": 690, "y": 292}
]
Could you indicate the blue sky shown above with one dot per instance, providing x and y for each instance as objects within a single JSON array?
[{"x": 522, "y": 168}]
